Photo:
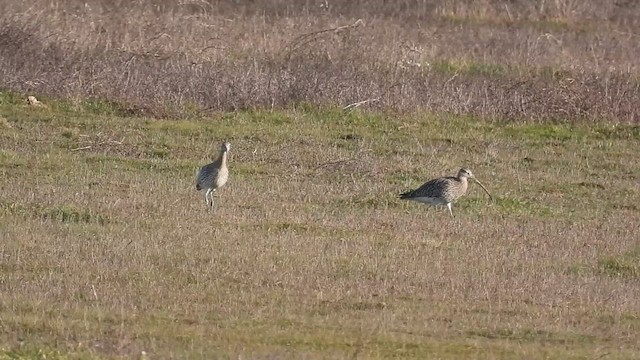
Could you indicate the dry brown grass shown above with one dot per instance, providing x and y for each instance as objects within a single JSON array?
[
  {"x": 108, "y": 251},
  {"x": 541, "y": 60}
]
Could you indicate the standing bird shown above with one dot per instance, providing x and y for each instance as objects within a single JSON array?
[
  {"x": 213, "y": 176},
  {"x": 444, "y": 190}
]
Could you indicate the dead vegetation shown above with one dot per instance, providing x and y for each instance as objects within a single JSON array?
[
  {"x": 106, "y": 252},
  {"x": 542, "y": 60}
]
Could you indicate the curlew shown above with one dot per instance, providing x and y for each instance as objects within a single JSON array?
[
  {"x": 444, "y": 190},
  {"x": 213, "y": 176}
]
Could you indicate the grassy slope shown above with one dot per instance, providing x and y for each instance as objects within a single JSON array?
[{"x": 107, "y": 251}]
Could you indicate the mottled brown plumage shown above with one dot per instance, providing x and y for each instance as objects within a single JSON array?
[
  {"x": 443, "y": 191},
  {"x": 214, "y": 175}
]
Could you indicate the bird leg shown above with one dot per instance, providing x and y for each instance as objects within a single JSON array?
[
  {"x": 213, "y": 191},
  {"x": 206, "y": 197},
  {"x": 449, "y": 207}
]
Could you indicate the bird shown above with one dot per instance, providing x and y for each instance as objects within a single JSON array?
[
  {"x": 214, "y": 175},
  {"x": 443, "y": 190}
]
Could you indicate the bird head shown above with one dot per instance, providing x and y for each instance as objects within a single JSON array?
[
  {"x": 226, "y": 146},
  {"x": 465, "y": 173}
]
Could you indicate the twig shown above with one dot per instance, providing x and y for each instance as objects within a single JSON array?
[
  {"x": 307, "y": 38},
  {"x": 356, "y": 104},
  {"x": 506, "y": 6},
  {"x": 110, "y": 142},
  {"x": 95, "y": 293},
  {"x": 97, "y": 144},
  {"x": 450, "y": 80},
  {"x": 330, "y": 163},
  {"x": 342, "y": 161}
]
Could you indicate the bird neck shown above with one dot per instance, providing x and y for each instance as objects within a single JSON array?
[{"x": 223, "y": 159}]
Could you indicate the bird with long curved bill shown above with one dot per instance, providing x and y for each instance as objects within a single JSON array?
[
  {"x": 443, "y": 190},
  {"x": 214, "y": 175}
]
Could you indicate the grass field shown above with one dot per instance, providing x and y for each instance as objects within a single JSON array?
[{"x": 107, "y": 249}]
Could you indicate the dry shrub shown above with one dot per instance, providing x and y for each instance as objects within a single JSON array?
[{"x": 160, "y": 58}]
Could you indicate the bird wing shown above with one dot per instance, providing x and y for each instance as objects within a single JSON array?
[
  {"x": 206, "y": 172},
  {"x": 432, "y": 188}
]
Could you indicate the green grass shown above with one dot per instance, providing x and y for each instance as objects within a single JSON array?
[
  {"x": 557, "y": 23},
  {"x": 544, "y": 133},
  {"x": 625, "y": 265},
  {"x": 470, "y": 68},
  {"x": 107, "y": 250},
  {"x": 62, "y": 213}
]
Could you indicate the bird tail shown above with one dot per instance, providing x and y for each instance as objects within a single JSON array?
[
  {"x": 198, "y": 187},
  {"x": 406, "y": 195}
]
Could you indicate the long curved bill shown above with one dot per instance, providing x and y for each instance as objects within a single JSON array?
[{"x": 483, "y": 188}]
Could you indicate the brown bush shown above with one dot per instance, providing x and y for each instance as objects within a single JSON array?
[{"x": 509, "y": 59}]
